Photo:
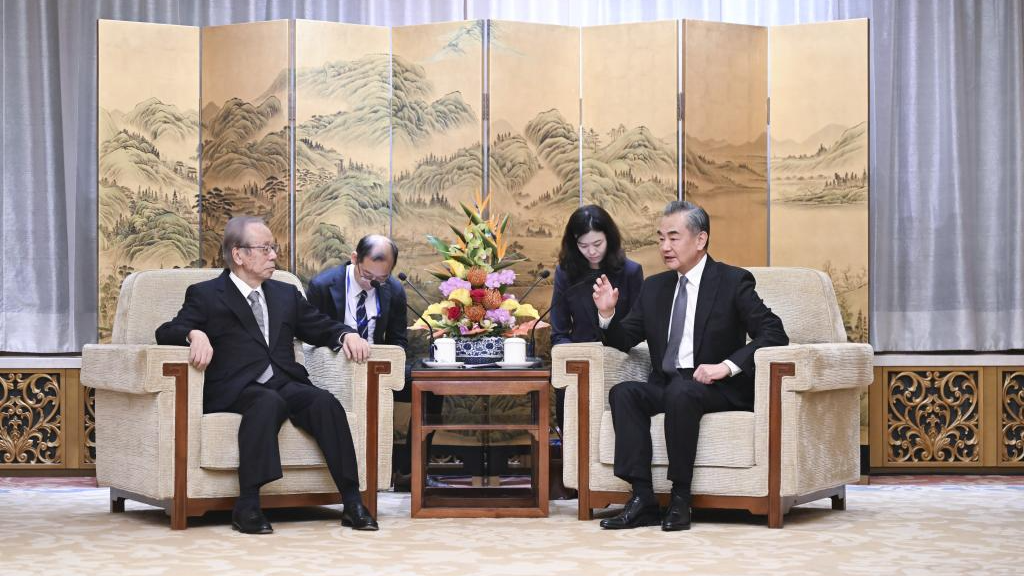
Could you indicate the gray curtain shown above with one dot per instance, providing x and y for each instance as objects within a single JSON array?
[{"x": 947, "y": 171}]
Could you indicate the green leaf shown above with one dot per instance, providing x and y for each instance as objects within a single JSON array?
[
  {"x": 470, "y": 214},
  {"x": 439, "y": 275},
  {"x": 438, "y": 245},
  {"x": 458, "y": 233},
  {"x": 507, "y": 262},
  {"x": 463, "y": 260},
  {"x": 504, "y": 224}
]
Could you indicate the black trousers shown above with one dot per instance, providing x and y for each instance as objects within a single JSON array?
[
  {"x": 265, "y": 407},
  {"x": 684, "y": 401}
]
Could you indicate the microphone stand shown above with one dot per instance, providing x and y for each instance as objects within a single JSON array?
[
  {"x": 543, "y": 274},
  {"x": 430, "y": 330},
  {"x": 590, "y": 277}
]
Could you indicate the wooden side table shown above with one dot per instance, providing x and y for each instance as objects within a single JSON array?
[{"x": 491, "y": 501}]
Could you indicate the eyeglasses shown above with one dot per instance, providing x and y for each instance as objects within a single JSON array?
[
  {"x": 265, "y": 248},
  {"x": 370, "y": 277}
]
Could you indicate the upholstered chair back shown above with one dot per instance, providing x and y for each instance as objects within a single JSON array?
[
  {"x": 152, "y": 297},
  {"x": 805, "y": 301}
]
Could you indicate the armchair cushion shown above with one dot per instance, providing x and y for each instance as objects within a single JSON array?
[{"x": 726, "y": 440}]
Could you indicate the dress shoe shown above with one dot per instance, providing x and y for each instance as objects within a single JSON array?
[
  {"x": 250, "y": 521},
  {"x": 636, "y": 513},
  {"x": 677, "y": 517},
  {"x": 402, "y": 482},
  {"x": 358, "y": 517}
]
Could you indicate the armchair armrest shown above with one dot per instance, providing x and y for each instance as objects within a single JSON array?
[
  {"x": 132, "y": 368},
  {"x": 820, "y": 367}
]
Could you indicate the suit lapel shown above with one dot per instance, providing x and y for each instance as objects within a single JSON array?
[
  {"x": 235, "y": 302},
  {"x": 705, "y": 302},
  {"x": 275, "y": 309},
  {"x": 663, "y": 309},
  {"x": 338, "y": 292}
]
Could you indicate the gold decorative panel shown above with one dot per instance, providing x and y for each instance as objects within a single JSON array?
[
  {"x": 89, "y": 425},
  {"x": 933, "y": 416},
  {"x": 534, "y": 148},
  {"x": 1011, "y": 412},
  {"x": 246, "y": 150},
  {"x": 30, "y": 418},
  {"x": 342, "y": 153},
  {"x": 819, "y": 158},
  {"x": 630, "y": 75},
  {"x": 725, "y": 135},
  {"x": 147, "y": 138}
]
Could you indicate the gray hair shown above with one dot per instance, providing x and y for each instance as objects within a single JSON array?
[
  {"x": 234, "y": 236},
  {"x": 697, "y": 219}
]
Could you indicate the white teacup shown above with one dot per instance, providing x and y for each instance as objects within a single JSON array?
[
  {"x": 444, "y": 350},
  {"x": 515, "y": 350}
]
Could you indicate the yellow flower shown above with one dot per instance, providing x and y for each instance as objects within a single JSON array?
[
  {"x": 419, "y": 323},
  {"x": 456, "y": 268},
  {"x": 437, "y": 308},
  {"x": 526, "y": 311},
  {"x": 511, "y": 304},
  {"x": 461, "y": 296}
]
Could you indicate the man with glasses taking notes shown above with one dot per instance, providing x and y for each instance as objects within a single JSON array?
[
  {"x": 240, "y": 327},
  {"x": 363, "y": 295}
]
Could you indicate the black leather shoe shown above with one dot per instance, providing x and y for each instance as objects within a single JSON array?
[
  {"x": 358, "y": 517},
  {"x": 677, "y": 517},
  {"x": 251, "y": 521},
  {"x": 636, "y": 513},
  {"x": 402, "y": 482}
]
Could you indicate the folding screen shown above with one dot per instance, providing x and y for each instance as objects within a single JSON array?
[
  {"x": 437, "y": 134},
  {"x": 342, "y": 132},
  {"x": 819, "y": 158},
  {"x": 630, "y": 128},
  {"x": 725, "y": 125},
  {"x": 533, "y": 72},
  {"x": 246, "y": 138},
  {"x": 147, "y": 141}
]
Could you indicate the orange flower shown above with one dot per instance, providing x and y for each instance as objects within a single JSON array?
[
  {"x": 492, "y": 299},
  {"x": 475, "y": 313},
  {"x": 476, "y": 276}
]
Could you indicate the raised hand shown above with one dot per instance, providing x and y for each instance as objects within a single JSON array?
[{"x": 605, "y": 296}]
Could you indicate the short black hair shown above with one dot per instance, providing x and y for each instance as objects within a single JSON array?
[
  {"x": 590, "y": 218},
  {"x": 372, "y": 246}
]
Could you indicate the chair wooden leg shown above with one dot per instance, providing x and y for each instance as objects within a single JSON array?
[
  {"x": 179, "y": 519},
  {"x": 839, "y": 500}
]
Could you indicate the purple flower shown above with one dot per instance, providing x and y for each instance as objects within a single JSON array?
[
  {"x": 452, "y": 284},
  {"x": 498, "y": 316},
  {"x": 501, "y": 278},
  {"x": 463, "y": 329}
]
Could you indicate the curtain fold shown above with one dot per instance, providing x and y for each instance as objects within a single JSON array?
[{"x": 947, "y": 133}]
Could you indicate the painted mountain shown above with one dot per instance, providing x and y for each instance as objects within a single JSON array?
[
  {"x": 245, "y": 169},
  {"x": 147, "y": 188}
]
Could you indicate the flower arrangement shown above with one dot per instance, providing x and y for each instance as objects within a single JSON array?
[{"x": 474, "y": 280}]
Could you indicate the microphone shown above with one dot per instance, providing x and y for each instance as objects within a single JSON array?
[
  {"x": 543, "y": 274},
  {"x": 404, "y": 278},
  {"x": 590, "y": 277},
  {"x": 374, "y": 283}
]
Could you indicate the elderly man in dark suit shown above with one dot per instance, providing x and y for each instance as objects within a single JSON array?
[
  {"x": 695, "y": 318},
  {"x": 240, "y": 328}
]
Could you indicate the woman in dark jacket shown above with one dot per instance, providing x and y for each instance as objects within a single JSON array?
[{"x": 591, "y": 246}]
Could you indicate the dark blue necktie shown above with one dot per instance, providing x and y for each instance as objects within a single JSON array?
[{"x": 361, "y": 322}]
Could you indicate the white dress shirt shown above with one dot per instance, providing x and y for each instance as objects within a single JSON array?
[
  {"x": 685, "y": 358},
  {"x": 352, "y": 290}
]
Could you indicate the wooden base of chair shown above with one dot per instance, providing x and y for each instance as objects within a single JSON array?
[
  {"x": 774, "y": 505},
  {"x": 181, "y": 507}
]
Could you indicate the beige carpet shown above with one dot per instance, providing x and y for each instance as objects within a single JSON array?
[{"x": 927, "y": 530}]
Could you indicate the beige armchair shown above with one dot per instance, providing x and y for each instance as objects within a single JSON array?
[
  {"x": 155, "y": 445},
  {"x": 801, "y": 443}
]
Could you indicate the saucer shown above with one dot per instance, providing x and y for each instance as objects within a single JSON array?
[
  {"x": 435, "y": 364},
  {"x": 525, "y": 364}
]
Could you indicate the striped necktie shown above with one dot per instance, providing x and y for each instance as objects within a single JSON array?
[{"x": 362, "y": 324}]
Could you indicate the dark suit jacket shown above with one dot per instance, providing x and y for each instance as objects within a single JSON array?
[
  {"x": 573, "y": 312},
  {"x": 327, "y": 293},
  {"x": 728, "y": 309},
  {"x": 240, "y": 354}
]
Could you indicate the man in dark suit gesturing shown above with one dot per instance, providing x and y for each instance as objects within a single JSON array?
[
  {"x": 240, "y": 329},
  {"x": 695, "y": 319}
]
